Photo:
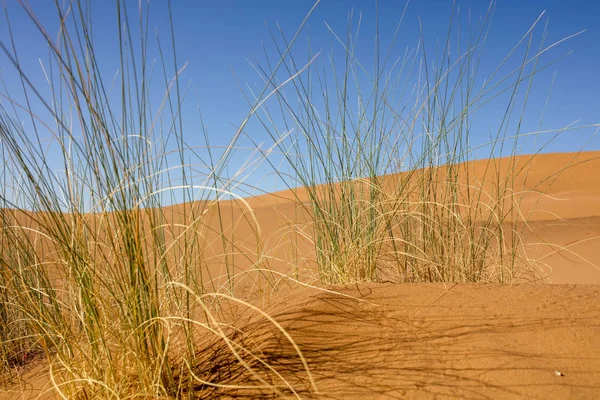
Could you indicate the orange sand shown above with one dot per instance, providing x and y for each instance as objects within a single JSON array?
[{"x": 430, "y": 341}]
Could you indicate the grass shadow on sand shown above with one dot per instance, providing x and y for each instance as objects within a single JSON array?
[{"x": 422, "y": 341}]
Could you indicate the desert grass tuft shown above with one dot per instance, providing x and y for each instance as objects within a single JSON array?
[
  {"x": 110, "y": 285},
  {"x": 386, "y": 151}
]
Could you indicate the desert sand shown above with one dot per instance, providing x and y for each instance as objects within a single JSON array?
[{"x": 383, "y": 340}]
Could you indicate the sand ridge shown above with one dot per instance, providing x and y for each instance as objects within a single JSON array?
[{"x": 434, "y": 340}]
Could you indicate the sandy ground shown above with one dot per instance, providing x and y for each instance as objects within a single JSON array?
[
  {"x": 465, "y": 341},
  {"x": 471, "y": 341}
]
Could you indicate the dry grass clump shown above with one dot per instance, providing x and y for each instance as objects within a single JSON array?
[
  {"x": 383, "y": 149},
  {"x": 111, "y": 287}
]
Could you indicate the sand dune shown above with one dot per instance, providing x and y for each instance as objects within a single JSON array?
[{"x": 431, "y": 340}]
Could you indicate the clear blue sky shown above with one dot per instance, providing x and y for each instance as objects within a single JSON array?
[{"x": 217, "y": 38}]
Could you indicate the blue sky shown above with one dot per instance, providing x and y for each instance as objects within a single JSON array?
[{"x": 217, "y": 39}]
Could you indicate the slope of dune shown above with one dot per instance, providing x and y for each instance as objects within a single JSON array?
[
  {"x": 430, "y": 340},
  {"x": 554, "y": 185}
]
